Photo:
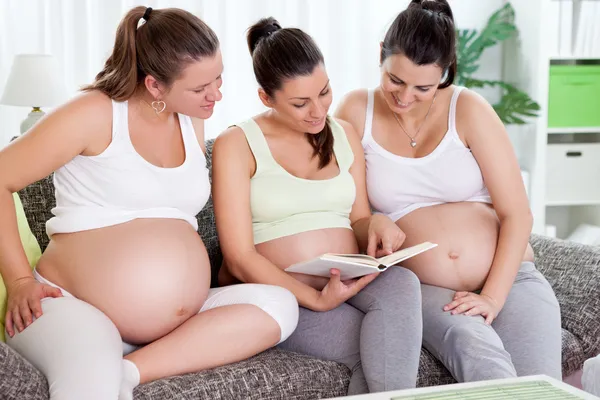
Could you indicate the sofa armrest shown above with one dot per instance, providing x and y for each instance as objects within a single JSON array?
[{"x": 573, "y": 270}]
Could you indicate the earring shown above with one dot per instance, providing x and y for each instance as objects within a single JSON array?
[
  {"x": 445, "y": 75},
  {"x": 159, "y": 106}
]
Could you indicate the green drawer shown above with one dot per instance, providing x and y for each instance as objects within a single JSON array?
[{"x": 574, "y": 96}]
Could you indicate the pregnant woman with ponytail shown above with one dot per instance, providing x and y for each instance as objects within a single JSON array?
[
  {"x": 289, "y": 185},
  {"x": 121, "y": 295},
  {"x": 440, "y": 164}
]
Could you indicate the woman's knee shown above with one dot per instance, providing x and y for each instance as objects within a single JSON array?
[
  {"x": 69, "y": 320},
  {"x": 331, "y": 335},
  {"x": 398, "y": 286},
  {"x": 76, "y": 347},
  {"x": 408, "y": 279},
  {"x": 400, "y": 279},
  {"x": 279, "y": 303},
  {"x": 474, "y": 352},
  {"x": 469, "y": 337}
]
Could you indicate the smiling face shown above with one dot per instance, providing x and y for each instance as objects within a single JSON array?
[
  {"x": 197, "y": 89},
  {"x": 405, "y": 84},
  {"x": 303, "y": 102}
]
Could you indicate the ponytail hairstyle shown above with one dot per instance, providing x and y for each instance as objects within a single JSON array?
[
  {"x": 425, "y": 34},
  {"x": 279, "y": 54},
  {"x": 160, "y": 43}
]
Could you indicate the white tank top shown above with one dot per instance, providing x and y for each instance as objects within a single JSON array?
[
  {"x": 399, "y": 185},
  {"x": 119, "y": 185}
]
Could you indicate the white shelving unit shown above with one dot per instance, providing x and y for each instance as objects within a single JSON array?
[
  {"x": 591, "y": 129},
  {"x": 527, "y": 63}
]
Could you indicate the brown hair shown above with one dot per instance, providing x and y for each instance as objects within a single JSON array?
[
  {"x": 285, "y": 53},
  {"x": 168, "y": 40},
  {"x": 424, "y": 33}
]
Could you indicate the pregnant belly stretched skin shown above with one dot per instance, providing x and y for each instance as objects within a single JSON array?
[{"x": 147, "y": 275}]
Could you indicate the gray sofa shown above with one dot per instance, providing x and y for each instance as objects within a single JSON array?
[{"x": 573, "y": 271}]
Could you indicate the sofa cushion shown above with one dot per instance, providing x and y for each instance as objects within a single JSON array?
[
  {"x": 431, "y": 371},
  {"x": 274, "y": 374},
  {"x": 573, "y": 355},
  {"x": 18, "y": 378},
  {"x": 207, "y": 227},
  {"x": 38, "y": 201},
  {"x": 573, "y": 271}
]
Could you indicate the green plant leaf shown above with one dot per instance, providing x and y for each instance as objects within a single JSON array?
[
  {"x": 500, "y": 26},
  {"x": 467, "y": 57},
  {"x": 471, "y": 44},
  {"x": 515, "y": 105},
  {"x": 481, "y": 83}
]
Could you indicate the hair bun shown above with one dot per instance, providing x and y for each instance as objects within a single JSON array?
[
  {"x": 260, "y": 30},
  {"x": 435, "y": 6}
]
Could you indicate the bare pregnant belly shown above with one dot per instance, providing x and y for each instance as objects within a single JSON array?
[
  {"x": 147, "y": 275},
  {"x": 293, "y": 249},
  {"x": 466, "y": 234}
]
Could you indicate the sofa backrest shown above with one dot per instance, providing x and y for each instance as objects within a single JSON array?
[{"x": 38, "y": 200}]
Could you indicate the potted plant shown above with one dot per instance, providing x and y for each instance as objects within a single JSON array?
[{"x": 514, "y": 104}]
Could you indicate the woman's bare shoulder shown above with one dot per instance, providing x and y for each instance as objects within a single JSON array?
[{"x": 352, "y": 109}]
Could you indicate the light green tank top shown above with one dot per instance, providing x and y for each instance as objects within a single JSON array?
[{"x": 283, "y": 204}]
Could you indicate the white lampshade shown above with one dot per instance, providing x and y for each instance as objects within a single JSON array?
[{"x": 35, "y": 80}]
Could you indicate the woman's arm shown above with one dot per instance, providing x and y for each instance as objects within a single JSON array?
[
  {"x": 376, "y": 234},
  {"x": 61, "y": 135},
  {"x": 485, "y": 135}
]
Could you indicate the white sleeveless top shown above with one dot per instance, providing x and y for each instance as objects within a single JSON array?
[
  {"x": 119, "y": 185},
  {"x": 399, "y": 185}
]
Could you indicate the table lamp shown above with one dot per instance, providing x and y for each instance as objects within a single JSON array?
[{"x": 35, "y": 80}]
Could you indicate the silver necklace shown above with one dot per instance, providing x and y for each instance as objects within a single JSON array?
[{"x": 413, "y": 142}]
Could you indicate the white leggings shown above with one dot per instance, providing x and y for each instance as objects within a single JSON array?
[{"x": 79, "y": 349}]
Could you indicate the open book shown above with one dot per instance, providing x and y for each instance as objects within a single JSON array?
[{"x": 356, "y": 265}]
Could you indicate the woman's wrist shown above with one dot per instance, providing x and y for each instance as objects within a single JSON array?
[
  {"x": 18, "y": 281},
  {"x": 495, "y": 302},
  {"x": 313, "y": 300}
]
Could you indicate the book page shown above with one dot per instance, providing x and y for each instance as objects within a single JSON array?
[
  {"x": 354, "y": 258},
  {"x": 355, "y": 265},
  {"x": 407, "y": 253},
  {"x": 349, "y": 268}
]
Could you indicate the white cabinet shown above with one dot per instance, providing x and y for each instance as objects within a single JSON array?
[
  {"x": 572, "y": 174},
  {"x": 563, "y": 163}
]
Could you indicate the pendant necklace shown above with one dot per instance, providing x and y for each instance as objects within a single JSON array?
[{"x": 413, "y": 142}]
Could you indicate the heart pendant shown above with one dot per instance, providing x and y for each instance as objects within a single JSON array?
[
  {"x": 159, "y": 106},
  {"x": 413, "y": 143}
]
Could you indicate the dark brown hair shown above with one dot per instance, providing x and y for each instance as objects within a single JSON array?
[
  {"x": 424, "y": 33},
  {"x": 279, "y": 54},
  {"x": 161, "y": 47}
]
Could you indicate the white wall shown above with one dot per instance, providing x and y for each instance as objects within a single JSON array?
[{"x": 81, "y": 33}]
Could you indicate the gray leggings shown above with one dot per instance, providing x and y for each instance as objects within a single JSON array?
[
  {"x": 525, "y": 338},
  {"x": 377, "y": 333}
]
